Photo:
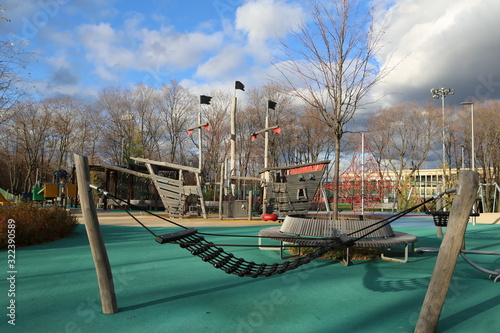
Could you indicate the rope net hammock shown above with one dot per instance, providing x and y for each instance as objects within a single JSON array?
[{"x": 211, "y": 253}]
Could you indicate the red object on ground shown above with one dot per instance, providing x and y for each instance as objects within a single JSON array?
[{"x": 269, "y": 217}]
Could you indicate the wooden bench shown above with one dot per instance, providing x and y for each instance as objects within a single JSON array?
[{"x": 311, "y": 228}]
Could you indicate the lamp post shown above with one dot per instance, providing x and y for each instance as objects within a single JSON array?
[
  {"x": 442, "y": 93},
  {"x": 473, "y": 148}
]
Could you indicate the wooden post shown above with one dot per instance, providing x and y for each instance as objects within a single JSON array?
[
  {"x": 106, "y": 187},
  {"x": 468, "y": 183},
  {"x": 130, "y": 188},
  {"x": 439, "y": 206},
  {"x": 232, "y": 165},
  {"x": 101, "y": 261},
  {"x": 221, "y": 190},
  {"x": 250, "y": 204},
  {"x": 202, "y": 200}
]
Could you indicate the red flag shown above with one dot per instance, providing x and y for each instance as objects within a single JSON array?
[
  {"x": 254, "y": 136},
  {"x": 277, "y": 130},
  {"x": 190, "y": 131},
  {"x": 207, "y": 127}
]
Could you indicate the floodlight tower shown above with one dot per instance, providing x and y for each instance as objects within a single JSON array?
[{"x": 442, "y": 93}]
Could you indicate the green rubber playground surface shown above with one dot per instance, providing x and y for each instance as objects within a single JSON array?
[{"x": 163, "y": 288}]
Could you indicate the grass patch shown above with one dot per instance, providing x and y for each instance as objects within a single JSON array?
[
  {"x": 35, "y": 225},
  {"x": 355, "y": 253}
]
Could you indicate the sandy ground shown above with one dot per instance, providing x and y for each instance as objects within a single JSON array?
[
  {"x": 489, "y": 218},
  {"x": 121, "y": 218}
]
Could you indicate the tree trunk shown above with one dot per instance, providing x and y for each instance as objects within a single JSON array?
[{"x": 336, "y": 175}]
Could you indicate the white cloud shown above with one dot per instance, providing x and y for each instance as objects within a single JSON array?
[
  {"x": 453, "y": 43},
  {"x": 136, "y": 48},
  {"x": 45, "y": 88},
  {"x": 106, "y": 74},
  {"x": 104, "y": 46},
  {"x": 266, "y": 19},
  {"x": 448, "y": 43},
  {"x": 178, "y": 50},
  {"x": 65, "y": 38},
  {"x": 226, "y": 64}
]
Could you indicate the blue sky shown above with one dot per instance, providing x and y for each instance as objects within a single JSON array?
[{"x": 84, "y": 45}]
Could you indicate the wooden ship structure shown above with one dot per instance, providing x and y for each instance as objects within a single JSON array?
[
  {"x": 172, "y": 184},
  {"x": 292, "y": 189},
  {"x": 288, "y": 189},
  {"x": 284, "y": 190}
]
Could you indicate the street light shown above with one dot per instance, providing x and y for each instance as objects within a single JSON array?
[
  {"x": 473, "y": 149},
  {"x": 442, "y": 93}
]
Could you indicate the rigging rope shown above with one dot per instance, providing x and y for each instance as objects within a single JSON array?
[
  {"x": 387, "y": 220},
  {"x": 193, "y": 241}
]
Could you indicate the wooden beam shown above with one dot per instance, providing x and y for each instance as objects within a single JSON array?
[
  {"x": 293, "y": 166},
  {"x": 265, "y": 130},
  {"x": 170, "y": 165},
  {"x": 97, "y": 247},
  {"x": 198, "y": 126},
  {"x": 245, "y": 178},
  {"x": 468, "y": 183},
  {"x": 124, "y": 170}
]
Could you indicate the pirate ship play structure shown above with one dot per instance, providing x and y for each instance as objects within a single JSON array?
[
  {"x": 287, "y": 190},
  {"x": 282, "y": 190}
]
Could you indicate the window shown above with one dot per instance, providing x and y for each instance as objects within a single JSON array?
[{"x": 302, "y": 194}]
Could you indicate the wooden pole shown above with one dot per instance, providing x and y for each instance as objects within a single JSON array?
[
  {"x": 439, "y": 206},
  {"x": 232, "y": 165},
  {"x": 99, "y": 254},
  {"x": 250, "y": 204},
  {"x": 221, "y": 190},
  {"x": 468, "y": 183}
]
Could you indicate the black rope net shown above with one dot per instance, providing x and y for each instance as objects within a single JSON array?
[{"x": 190, "y": 240}]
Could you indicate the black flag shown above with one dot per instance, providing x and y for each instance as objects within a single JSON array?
[
  {"x": 271, "y": 104},
  {"x": 205, "y": 99},
  {"x": 239, "y": 85}
]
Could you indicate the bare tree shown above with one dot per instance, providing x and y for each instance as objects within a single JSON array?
[
  {"x": 150, "y": 132},
  {"x": 402, "y": 136},
  {"x": 13, "y": 62},
  {"x": 119, "y": 123},
  {"x": 216, "y": 141},
  {"x": 177, "y": 107},
  {"x": 246, "y": 120},
  {"x": 284, "y": 115},
  {"x": 330, "y": 63},
  {"x": 89, "y": 131},
  {"x": 313, "y": 136},
  {"x": 65, "y": 118},
  {"x": 10, "y": 160},
  {"x": 487, "y": 139},
  {"x": 31, "y": 125}
]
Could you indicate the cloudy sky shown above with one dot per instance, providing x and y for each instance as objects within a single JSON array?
[{"x": 84, "y": 45}]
